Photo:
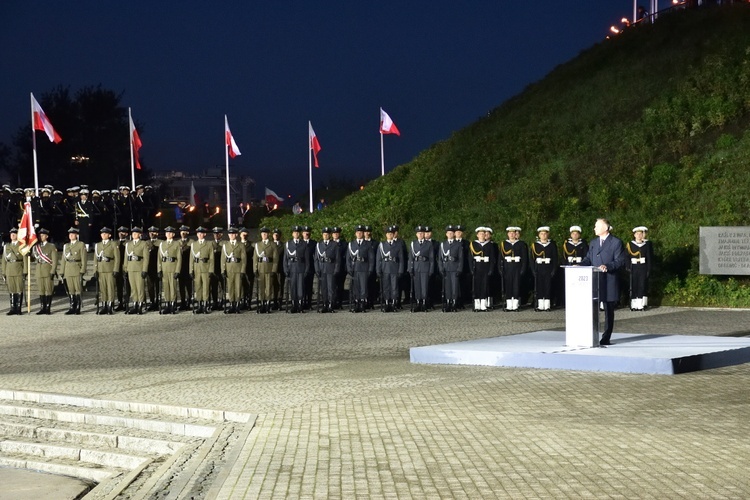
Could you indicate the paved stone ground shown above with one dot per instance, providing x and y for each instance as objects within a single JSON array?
[{"x": 343, "y": 413}]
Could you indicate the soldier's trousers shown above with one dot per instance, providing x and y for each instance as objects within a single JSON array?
[
  {"x": 543, "y": 282},
  {"x": 451, "y": 285},
  {"x": 481, "y": 281},
  {"x": 120, "y": 286},
  {"x": 296, "y": 285},
  {"x": 267, "y": 283},
  {"x": 74, "y": 284},
  {"x": 106, "y": 287},
  {"x": 358, "y": 286},
  {"x": 137, "y": 287},
  {"x": 327, "y": 288},
  {"x": 15, "y": 284},
  {"x": 201, "y": 286},
  {"x": 389, "y": 285},
  {"x": 638, "y": 281},
  {"x": 46, "y": 287},
  {"x": 512, "y": 281},
  {"x": 421, "y": 283},
  {"x": 234, "y": 286},
  {"x": 169, "y": 286},
  {"x": 186, "y": 287}
]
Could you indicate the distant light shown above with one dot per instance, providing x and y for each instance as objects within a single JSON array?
[
  {"x": 361, "y": 188},
  {"x": 614, "y": 30},
  {"x": 218, "y": 209},
  {"x": 158, "y": 214},
  {"x": 79, "y": 159}
]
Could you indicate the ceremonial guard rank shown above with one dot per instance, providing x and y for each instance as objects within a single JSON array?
[
  {"x": 215, "y": 277},
  {"x": 280, "y": 276},
  {"x": 169, "y": 264},
  {"x": 84, "y": 213},
  {"x": 360, "y": 264},
  {"x": 186, "y": 284},
  {"x": 342, "y": 247},
  {"x": 247, "y": 276},
  {"x": 201, "y": 268},
  {"x": 327, "y": 266},
  {"x": 514, "y": 255},
  {"x": 73, "y": 268},
  {"x": 421, "y": 267},
  {"x": 494, "y": 278},
  {"x": 404, "y": 283},
  {"x": 482, "y": 267},
  {"x": 137, "y": 258},
  {"x": 152, "y": 283},
  {"x": 296, "y": 267},
  {"x": 123, "y": 288},
  {"x": 107, "y": 256},
  {"x": 233, "y": 266},
  {"x": 372, "y": 280},
  {"x": 450, "y": 264},
  {"x": 543, "y": 265},
  {"x": 265, "y": 267},
  {"x": 45, "y": 255},
  {"x": 14, "y": 267},
  {"x": 390, "y": 263},
  {"x": 641, "y": 254},
  {"x": 310, "y": 246},
  {"x": 435, "y": 286},
  {"x": 465, "y": 276}
]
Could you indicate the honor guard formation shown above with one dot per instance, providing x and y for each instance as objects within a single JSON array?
[{"x": 215, "y": 270}]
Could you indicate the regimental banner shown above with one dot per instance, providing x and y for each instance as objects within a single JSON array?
[{"x": 725, "y": 250}]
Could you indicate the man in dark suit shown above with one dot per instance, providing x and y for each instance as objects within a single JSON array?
[{"x": 608, "y": 254}]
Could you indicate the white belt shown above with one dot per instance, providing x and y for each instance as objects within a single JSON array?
[
  {"x": 642, "y": 260},
  {"x": 512, "y": 259},
  {"x": 575, "y": 259},
  {"x": 540, "y": 260},
  {"x": 481, "y": 259}
]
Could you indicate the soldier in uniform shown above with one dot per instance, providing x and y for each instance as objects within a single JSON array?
[
  {"x": 641, "y": 255},
  {"x": 185, "y": 282},
  {"x": 14, "y": 270},
  {"x": 340, "y": 279},
  {"x": 279, "y": 277},
  {"x": 390, "y": 263},
  {"x": 84, "y": 214},
  {"x": 327, "y": 266},
  {"x": 435, "y": 286},
  {"x": 137, "y": 258},
  {"x": 482, "y": 267},
  {"x": 450, "y": 265},
  {"x": 404, "y": 285},
  {"x": 464, "y": 278},
  {"x": 265, "y": 268},
  {"x": 372, "y": 282},
  {"x": 201, "y": 269},
  {"x": 108, "y": 264},
  {"x": 574, "y": 250},
  {"x": 360, "y": 264},
  {"x": 514, "y": 257},
  {"x": 544, "y": 266},
  {"x": 421, "y": 267},
  {"x": 310, "y": 246},
  {"x": 296, "y": 267},
  {"x": 73, "y": 269},
  {"x": 152, "y": 280},
  {"x": 247, "y": 277},
  {"x": 45, "y": 255},
  {"x": 233, "y": 266},
  {"x": 169, "y": 257},
  {"x": 215, "y": 278},
  {"x": 123, "y": 293}
]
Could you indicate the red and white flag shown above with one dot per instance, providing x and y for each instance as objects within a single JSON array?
[
  {"x": 273, "y": 198},
  {"x": 233, "y": 149},
  {"x": 194, "y": 197},
  {"x": 314, "y": 144},
  {"x": 386, "y": 124},
  {"x": 135, "y": 143},
  {"x": 26, "y": 231},
  {"x": 41, "y": 122}
]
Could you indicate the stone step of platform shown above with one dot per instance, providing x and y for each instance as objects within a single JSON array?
[{"x": 130, "y": 449}]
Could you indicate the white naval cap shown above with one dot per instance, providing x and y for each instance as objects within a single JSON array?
[
  {"x": 575, "y": 228},
  {"x": 542, "y": 228},
  {"x": 640, "y": 228}
]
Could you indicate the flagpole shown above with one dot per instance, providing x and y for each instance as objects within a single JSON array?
[
  {"x": 33, "y": 147},
  {"x": 309, "y": 161},
  {"x": 226, "y": 157},
  {"x": 130, "y": 146},
  {"x": 28, "y": 283},
  {"x": 382, "y": 158}
]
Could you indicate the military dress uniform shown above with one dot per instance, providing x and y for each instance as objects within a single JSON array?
[
  {"x": 201, "y": 269},
  {"x": 482, "y": 268},
  {"x": 107, "y": 255},
  {"x": 421, "y": 267},
  {"x": 248, "y": 278},
  {"x": 84, "y": 214},
  {"x": 233, "y": 266},
  {"x": 215, "y": 277},
  {"x": 296, "y": 267},
  {"x": 573, "y": 251},
  {"x": 641, "y": 255},
  {"x": 169, "y": 263},
  {"x": 327, "y": 267},
  {"x": 390, "y": 263},
  {"x": 280, "y": 277},
  {"x": 265, "y": 267},
  {"x": 73, "y": 268},
  {"x": 121, "y": 284},
  {"x": 544, "y": 263},
  {"x": 152, "y": 279},
  {"x": 46, "y": 257},
  {"x": 340, "y": 281},
  {"x": 450, "y": 264},
  {"x": 137, "y": 258},
  {"x": 309, "y": 278},
  {"x": 14, "y": 269},
  {"x": 514, "y": 261},
  {"x": 360, "y": 264},
  {"x": 185, "y": 282}
]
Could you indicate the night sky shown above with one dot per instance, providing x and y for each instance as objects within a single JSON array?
[{"x": 433, "y": 66}]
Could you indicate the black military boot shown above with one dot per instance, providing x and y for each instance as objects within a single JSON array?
[
  {"x": 15, "y": 304},
  {"x": 72, "y": 308},
  {"x": 77, "y": 302},
  {"x": 42, "y": 305},
  {"x": 49, "y": 305}
]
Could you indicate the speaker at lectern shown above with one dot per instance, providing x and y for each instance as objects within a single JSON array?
[{"x": 581, "y": 306}]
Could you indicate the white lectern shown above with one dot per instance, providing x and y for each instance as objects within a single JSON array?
[{"x": 581, "y": 306}]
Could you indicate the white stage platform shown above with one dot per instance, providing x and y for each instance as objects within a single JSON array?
[{"x": 631, "y": 353}]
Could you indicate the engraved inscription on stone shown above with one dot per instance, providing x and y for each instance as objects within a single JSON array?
[{"x": 725, "y": 250}]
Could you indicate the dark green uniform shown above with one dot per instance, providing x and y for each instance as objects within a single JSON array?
[{"x": 265, "y": 267}]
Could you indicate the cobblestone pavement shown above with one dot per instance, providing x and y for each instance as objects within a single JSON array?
[{"x": 343, "y": 413}]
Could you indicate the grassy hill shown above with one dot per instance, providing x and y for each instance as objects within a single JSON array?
[{"x": 650, "y": 127}]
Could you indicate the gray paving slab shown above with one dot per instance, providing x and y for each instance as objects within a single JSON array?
[
  {"x": 342, "y": 412},
  {"x": 18, "y": 484}
]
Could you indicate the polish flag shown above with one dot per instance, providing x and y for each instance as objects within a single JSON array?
[
  {"x": 233, "y": 149},
  {"x": 273, "y": 198},
  {"x": 196, "y": 199},
  {"x": 386, "y": 124},
  {"x": 26, "y": 231},
  {"x": 135, "y": 142},
  {"x": 41, "y": 122},
  {"x": 314, "y": 144}
]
